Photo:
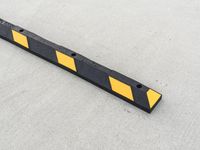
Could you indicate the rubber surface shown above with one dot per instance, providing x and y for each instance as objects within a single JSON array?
[{"x": 115, "y": 83}]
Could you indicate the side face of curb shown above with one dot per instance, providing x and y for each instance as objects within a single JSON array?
[{"x": 113, "y": 82}]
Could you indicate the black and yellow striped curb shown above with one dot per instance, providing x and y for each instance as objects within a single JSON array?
[{"x": 115, "y": 83}]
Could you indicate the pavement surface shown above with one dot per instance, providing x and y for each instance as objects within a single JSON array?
[{"x": 157, "y": 42}]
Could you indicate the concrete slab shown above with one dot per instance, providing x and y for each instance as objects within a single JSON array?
[{"x": 155, "y": 42}]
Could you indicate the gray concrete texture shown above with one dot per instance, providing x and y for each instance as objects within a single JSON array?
[{"x": 157, "y": 42}]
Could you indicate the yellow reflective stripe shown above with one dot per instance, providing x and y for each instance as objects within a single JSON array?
[
  {"x": 153, "y": 97},
  {"x": 66, "y": 61},
  {"x": 121, "y": 88},
  {"x": 20, "y": 38}
]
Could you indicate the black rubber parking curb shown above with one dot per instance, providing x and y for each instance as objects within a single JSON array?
[{"x": 113, "y": 82}]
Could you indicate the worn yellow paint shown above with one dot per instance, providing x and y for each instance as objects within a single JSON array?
[
  {"x": 20, "y": 38},
  {"x": 121, "y": 88},
  {"x": 153, "y": 97},
  {"x": 66, "y": 60}
]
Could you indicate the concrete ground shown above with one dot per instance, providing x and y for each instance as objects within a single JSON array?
[{"x": 157, "y": 42}]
